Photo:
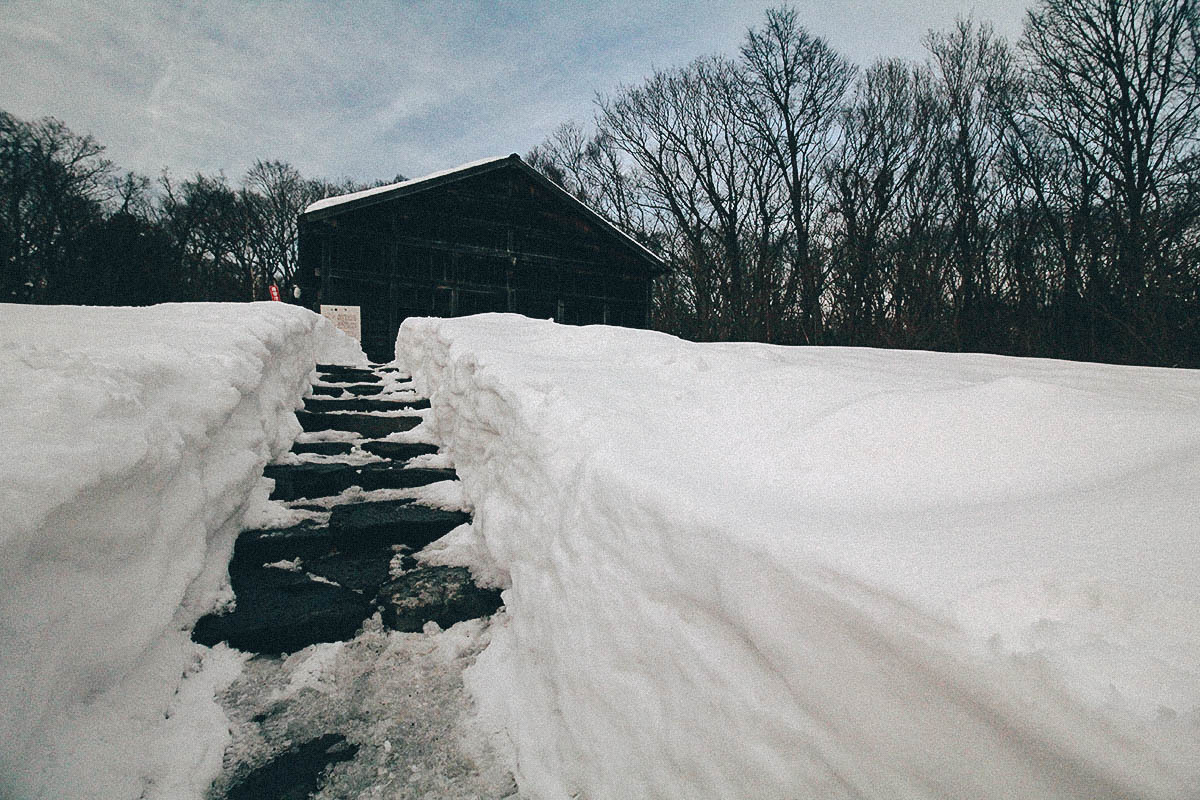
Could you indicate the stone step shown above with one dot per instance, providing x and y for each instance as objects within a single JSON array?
[
  {"x": 345, "y": 367},
  {"x": 363, "y": 571},
  {"x": 338, "y": 374},
  {"x": 362, "y": 404},
  {"x": 356, "y": 389},
  {"x": 372, "y": 427},
  {"x": 348, "y": 378},
  {"x": 354, "y": 527},
  {"x": 279, "y": 611},
  {"x": 398, "y": 451},
  {"x": 297, "y": 772},
  {"x": 363, "y": 389},
  {"x": 295, "y": 481},
  {"x": 444, "y": 595},
  {"x": 263, "y": 546},
  {"x": 358, "y": 526},
  {"x": 329, "y": 390},
  {"x": 323, "y": 448}
]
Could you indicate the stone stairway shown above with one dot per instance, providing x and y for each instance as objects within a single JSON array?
[{"x": 319, "y": 580}]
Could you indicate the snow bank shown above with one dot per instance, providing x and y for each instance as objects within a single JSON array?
[
  {"x": 130, "y": 443},
  {"x": 748, "y": 571}
]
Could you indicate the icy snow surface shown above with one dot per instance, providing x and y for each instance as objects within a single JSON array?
[
  {"x": 397, "y": 696},
  {"x": 748, "y": 571},
  {"x": 131, "y": 445}
]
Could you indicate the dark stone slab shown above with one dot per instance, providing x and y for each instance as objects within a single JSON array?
[
  {"x": 336, "y": 374},
  {"x": 362, "y": 404},
  {"x": 362, "y": 570},
  {"x": 329, "y": 390},
  {"x": 349, "y": 378},
  {"x": 323, "y": 448},
  {"x": 371, "y": 388},
  {"x": 365, "y": 525},
  {"x": 257, "y": 547},
  {"x": 363, "y": 389},
  {"x": 294, "y": 481},
  {"x": 393, "y": 476},
  {"x": 398, "y": 451},
  {"x": 279, "y": 611},
  {"x": 295, "y": 774},
  {"x": 444, "y": 595},
  {"x": 369, "y": 426}
]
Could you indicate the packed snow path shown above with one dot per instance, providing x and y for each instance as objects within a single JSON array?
[{"x": 344, "y": 573}]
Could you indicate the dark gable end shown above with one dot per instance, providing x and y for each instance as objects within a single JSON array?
[{"x": 494, "y": 235}]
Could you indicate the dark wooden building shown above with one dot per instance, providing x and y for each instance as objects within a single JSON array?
[{"x": 495, "y": 235}]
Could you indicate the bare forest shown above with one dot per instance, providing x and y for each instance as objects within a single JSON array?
[
  {"x": 1038, "y": 197},
  {"x": 76, "y": 230}
]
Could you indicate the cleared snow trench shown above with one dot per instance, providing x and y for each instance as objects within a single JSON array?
[
  {"x": 370, "y": 702},
  {"x": 750, "y": 571}
]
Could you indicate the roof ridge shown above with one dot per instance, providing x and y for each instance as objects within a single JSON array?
[{"x": 337, "y": 200}]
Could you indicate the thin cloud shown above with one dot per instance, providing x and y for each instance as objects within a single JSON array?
[{"x": 370, "y": 89}]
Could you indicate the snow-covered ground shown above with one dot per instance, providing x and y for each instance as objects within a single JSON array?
[
  {"x": 730, "y": 570},
  {"x": 131, "y": 443},
  {"x": 747, "y": 571}
]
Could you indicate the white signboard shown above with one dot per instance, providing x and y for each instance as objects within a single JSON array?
[{"x": 346, "y": 318}]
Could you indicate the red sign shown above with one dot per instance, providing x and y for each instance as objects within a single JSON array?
[{"x": 274, "y": 290}]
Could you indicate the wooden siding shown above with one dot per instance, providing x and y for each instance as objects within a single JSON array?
[{"x": 497, "y": 241}]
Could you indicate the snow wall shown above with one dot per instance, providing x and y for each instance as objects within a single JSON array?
[
  {"x": 737, "y": 570},
  {"x": 132, "y": 443}
]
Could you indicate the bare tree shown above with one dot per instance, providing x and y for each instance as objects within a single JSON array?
[
  {"x": 563, "y": 158},
  {"x": 923, "y": 267},
  {"x": 976, "y": 75},
  {"x": 704, "y": 182},
  {"x": 796, "y": 84},
  {"x": 207, "y": 222},
  {"x": 1117, "y": 83},
  {"x": 597, "y": 172},
  {"x": 279, "y": 195},
  {"x": 886, "y": 143},
  {"x": 132, "y": 193},
  {"x": 52, "y": 184}
]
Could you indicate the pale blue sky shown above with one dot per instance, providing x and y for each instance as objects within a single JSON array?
[{"x": 372, "y": 88}]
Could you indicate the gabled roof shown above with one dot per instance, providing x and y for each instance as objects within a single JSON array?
[
  {"x": 396, "y": 189},
  {"x": 332, "y": 206}
]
